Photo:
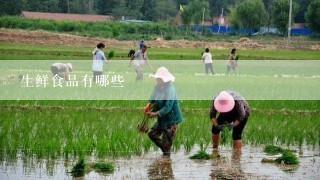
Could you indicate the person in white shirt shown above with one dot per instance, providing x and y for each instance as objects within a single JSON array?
[
  {"x": 138, "y": 60},
  {"x": 98, "y": 59},
  {"x": 207, "y": 59}
]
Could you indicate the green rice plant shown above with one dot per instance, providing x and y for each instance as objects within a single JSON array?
[
  {"x": 225, "y": 136},
  {"x": 143, "y": 127},
  {"x": 271, "y": 149},
  {"x": 79, "y": 169},
  {"x": 103, "y": 167},
  {"x": 288, "y": 157},
  {"x": 202, "y": 154},
  {"x": 111, "y": 55}
]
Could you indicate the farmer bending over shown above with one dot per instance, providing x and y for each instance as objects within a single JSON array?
[
  {"x": 58, "y": 68},
  {"x": 167, "y": 111},
  {"x": 233, "y": 112}
]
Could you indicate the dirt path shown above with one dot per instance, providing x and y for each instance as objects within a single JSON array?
[{"x": 49, "y": 38}]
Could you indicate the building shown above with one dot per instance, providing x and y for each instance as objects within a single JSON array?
[
  {"x": 177, "y": 20},
  {"x": 64, "y": 16}
]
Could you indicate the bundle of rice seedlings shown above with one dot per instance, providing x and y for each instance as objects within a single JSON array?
[
  {"x": 103, "y": 167},
  {"x": 78, "y": 170},
  {"x": 143, "y": 127},
  {"x": 200, "y": 155},
  {"x": 271, "y": 149},
  {"x": 226, "y": 135},
  {"x": 288, "y": 157}
]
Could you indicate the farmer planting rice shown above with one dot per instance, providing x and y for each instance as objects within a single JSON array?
[
  {"x": 139, "y": 58},
  {"x": 167, "y": 111},
  {"x": 207, "y": 59},
  {"x": 232, "y": 62},
  {"x": 98, "y": 59},
  {"x": 233, "y": 112},
  {"x": 58, "y": 68}
]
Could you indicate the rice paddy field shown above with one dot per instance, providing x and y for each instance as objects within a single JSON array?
[{"x": 42, "y": 138}]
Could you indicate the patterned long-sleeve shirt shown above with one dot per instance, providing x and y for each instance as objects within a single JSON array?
[{"x": 240, "y": 111}]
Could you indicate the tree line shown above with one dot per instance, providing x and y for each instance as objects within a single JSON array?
[{"x": 242, "y": 13}]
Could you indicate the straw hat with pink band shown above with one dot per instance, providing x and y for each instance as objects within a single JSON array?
[
  {"x": 70, "y": 66},
  {"x": 164, "y": 74},
  {"x": 224, "y": 102}
]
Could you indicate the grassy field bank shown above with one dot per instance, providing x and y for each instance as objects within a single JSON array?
[{"x": 14, "y": 51}]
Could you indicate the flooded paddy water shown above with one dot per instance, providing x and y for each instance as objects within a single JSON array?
[{"x": 153, "y": 166}]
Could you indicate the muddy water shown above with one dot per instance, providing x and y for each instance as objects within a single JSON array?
[{"x": 153, "y": 166}]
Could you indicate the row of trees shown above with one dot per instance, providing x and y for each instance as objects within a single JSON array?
[
  {"x": 252, "y": 14},
  {"x": 242, "y": 13},
  {"x": 153, "y": 10}
]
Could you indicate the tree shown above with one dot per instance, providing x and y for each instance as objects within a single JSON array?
[
  {"x": 249, "y": 14},
  {"x": 129, "y": 8},
  {"x": 165, "y": 9},
  {"x": 11, "y": 7},
  {"x": 313, "y": 16},
  {"x": 280, "y": 14},
  {"x": 148, "y": 10},
  {"x": 217, "y": 5},
  {"x": 193, "y": 12},
  {"x": 63, "y": 6},
  {"x": 105, "y": 6}
]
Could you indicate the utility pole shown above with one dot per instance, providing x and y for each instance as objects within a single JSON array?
[
  {"x": 289, "y": 24},
  {"x": 203, "y": 16},
  {"x": 68, "y": 3},
  {"x": 221, "y": 16}
]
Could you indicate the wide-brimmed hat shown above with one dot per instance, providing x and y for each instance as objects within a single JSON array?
[
  {"x": 224, "y": 102},
  {"x": 164, "y": 74},
  {"x": 70, "y": 66}
]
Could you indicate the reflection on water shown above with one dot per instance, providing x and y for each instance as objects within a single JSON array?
[
  {"x": 227, "y": 165},
  {"x": 228, "y": 168},
  {"x": 161, "y": 168}
]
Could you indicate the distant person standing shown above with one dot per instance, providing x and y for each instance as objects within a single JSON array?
[
  {"x": 98, "y": 60},
  {"x": 58, "y": 68},
  {"x": 232, "y": 62},
  {"x": 139, "y": 58},
  {"x": 207, "y": 59},
  {"x": 141, "y": 44}
]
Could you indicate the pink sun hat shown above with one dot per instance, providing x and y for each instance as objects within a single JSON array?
[
  {"x": 164, "y": 74},
  {"x": 224, "y": 102}
]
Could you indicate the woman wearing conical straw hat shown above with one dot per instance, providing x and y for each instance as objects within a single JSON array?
[
  {"x": 233, "y": 111},
  {"x": 167, "y": 110}
]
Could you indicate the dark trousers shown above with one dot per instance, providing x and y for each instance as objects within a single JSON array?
[
  {"x": 208, "y": 67},
  {"x": 55, "y": 71},
  {"x": 95, "y": 74},
  {"x": 165, "y": 142},
  {"x": 236, "y": 132}
]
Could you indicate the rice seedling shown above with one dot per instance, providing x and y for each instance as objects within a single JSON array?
[
  {"x": 102, "y": 167},
  {"x": 111, "y": 55},
  {"x": 202, "y": 154},
  {"x": 225, "y": 137},
  {"x": 288, "y": 157},
  {"x": 79, "y": 169},
  {"x": 271, "y": 149},
  {"x": 77, "y": 130},
  {"x": 143, "y": 127}
]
